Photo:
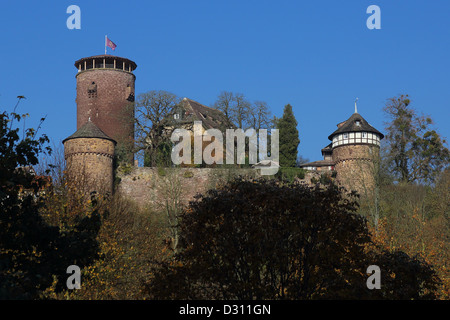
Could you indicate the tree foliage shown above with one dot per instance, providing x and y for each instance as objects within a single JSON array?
[
  {"x": 264, "y": 239},
  {"x": 33, "y": 252},
  {"x": 235, "y": 107},
  {"x": 416, "y": 152},
  {"x": 152, "y": 111},
  {"x": 243, "y": 113},
  {"x": 288, "y": 137},
  {"x": 414, "y": 218},
  {"x": 259, "y": 116}
]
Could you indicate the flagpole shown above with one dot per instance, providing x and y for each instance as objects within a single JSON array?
[{"x": 105, "y": 42}]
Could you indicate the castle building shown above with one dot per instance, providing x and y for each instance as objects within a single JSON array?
[
  {"x": 353, "y": 154},
  {"x": 105, "y": 121},
  {"x": 325, "y": 165},
  {"x": 105, "y": 94},
  {"x": 189, "y": 111},
  {"x": 105, "y": 129},
  {"x": 89, "y": 155}
]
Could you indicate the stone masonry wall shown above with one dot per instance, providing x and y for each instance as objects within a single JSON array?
[
  {"x": 108, "y": 108},
  {"x": 90, "y": 163},
  {"x": 151, "y": 187},
  {"x": 356, "y": 166}
]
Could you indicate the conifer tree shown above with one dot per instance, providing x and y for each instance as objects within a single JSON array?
[{"x": 288, "y": 135}]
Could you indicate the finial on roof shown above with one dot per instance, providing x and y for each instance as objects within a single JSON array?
[{"x": 356, "y": 107}]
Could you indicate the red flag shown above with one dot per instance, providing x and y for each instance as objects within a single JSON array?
[{"x": 110, "y": 44}]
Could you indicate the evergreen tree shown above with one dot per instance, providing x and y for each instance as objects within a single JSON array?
[{"x": 288, "y": 135}]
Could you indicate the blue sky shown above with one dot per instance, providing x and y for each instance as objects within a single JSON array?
[{"x": 316, "y": 55}]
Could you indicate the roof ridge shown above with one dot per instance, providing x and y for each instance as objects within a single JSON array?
[{"x": 200, "y": 104}]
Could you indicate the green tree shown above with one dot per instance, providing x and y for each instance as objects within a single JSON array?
[
  {"x": 33, "y": 252},
  {"x": 288, "y": 137},
  {"x": 416, "y": 152}
]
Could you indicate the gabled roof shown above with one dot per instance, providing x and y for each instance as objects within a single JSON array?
[
  {"x": 89, "y": 130},
  {"x": 351, "y": 125},
  {"x": 210, "y": 117}
]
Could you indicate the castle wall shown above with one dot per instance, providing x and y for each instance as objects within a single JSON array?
[
  {"x": 89, "y": 164},
  {"x": 154, "y": 186}
]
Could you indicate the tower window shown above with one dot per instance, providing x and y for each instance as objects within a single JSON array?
[
  {"x": 364, "y": 134},
  {"x": 345, "y": 135},
  {"x": 129, "y": 95},
  {"x": 92, "y": 90}
]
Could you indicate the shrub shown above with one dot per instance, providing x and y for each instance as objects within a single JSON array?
[{"x": 188, "y": 174}]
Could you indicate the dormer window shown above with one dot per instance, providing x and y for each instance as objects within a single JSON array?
[
  {"x": 358, "y": 123},
  {"x": 176, "y": 116}
]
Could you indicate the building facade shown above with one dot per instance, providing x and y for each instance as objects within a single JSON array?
[
  {"x": 105, "y": 122},
  {"x": 353, "y": 154}
]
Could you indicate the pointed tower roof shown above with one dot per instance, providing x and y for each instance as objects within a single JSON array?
[
  {"x": 356, "y": 123},
  {"x": 89, "y": 130}
]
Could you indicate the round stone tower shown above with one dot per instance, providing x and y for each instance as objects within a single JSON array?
[
  {"x": 89, "y": 155},
  {"x": 105, "y": 94},
  {"x": 355, "y": 153}
]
